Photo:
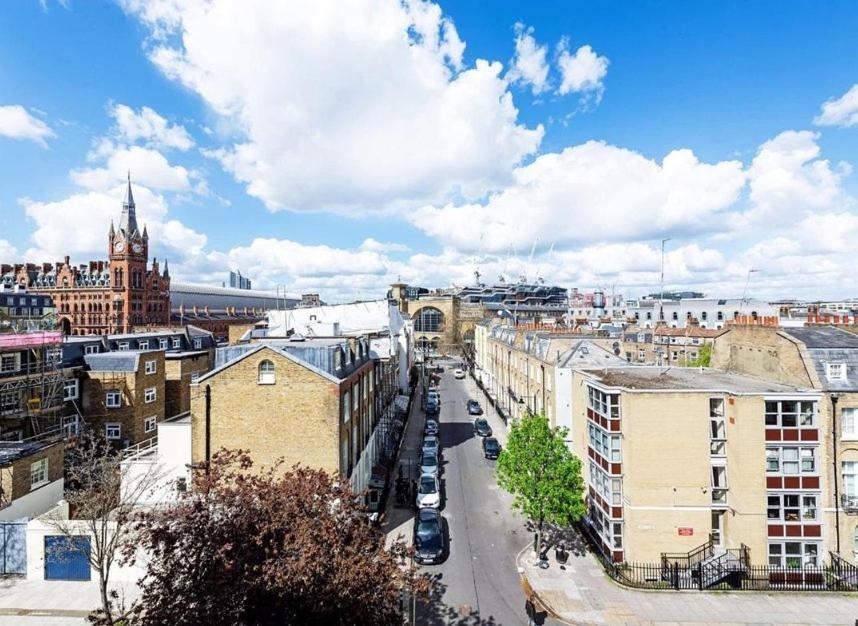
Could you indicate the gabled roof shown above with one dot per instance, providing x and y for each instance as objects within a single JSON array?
[{"x": 588, "y": 354}]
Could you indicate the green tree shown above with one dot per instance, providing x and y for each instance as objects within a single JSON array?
[
  {"x": 542, "y": 473},
  {"x": 704, "y": 357}
]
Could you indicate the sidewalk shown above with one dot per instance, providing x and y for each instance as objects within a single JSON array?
[
  {"x": 52, "y": 601},
  {"x": 583, "y": 594}
]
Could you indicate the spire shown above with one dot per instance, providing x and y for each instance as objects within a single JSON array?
[
  {"x": 112, "y": 231},
  {"x": 145, "y": 234},
  {"x": 128, "y": 221},
  {"x": 166, "y": 269}
]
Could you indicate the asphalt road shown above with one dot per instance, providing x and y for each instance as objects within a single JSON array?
[{"x": 478, "y": 583}]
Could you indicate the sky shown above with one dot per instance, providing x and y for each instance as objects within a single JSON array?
[{"x": 336, "y": 147}]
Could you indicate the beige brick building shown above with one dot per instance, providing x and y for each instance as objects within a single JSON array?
[
  {"x": 31, "y": 476},
  {"x": 310, "y": 402},
  {"x": 674, "y": 457}
]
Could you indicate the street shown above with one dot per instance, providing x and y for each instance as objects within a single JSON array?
[{"x": 478, "y": 583}]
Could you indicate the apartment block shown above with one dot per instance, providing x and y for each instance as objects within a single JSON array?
[
  {"x": 667, "y": 345},
  {"x": 676, "y": 457}
]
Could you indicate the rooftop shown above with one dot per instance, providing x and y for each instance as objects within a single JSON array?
[
  {"x": 823, "y": 337},
  {"x": 124, "y": 361},
  {"x": 641, "y": 377},
  {"x": 13, "y": 450}
]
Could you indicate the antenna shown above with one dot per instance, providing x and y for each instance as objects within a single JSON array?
[
  {"x": 661, "y": 289},
  {"x": 747, "y": 281}
]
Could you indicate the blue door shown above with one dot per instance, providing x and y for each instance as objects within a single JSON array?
[
  {"x": 13, "y": 548},
  {"x": 66, "y": 558}
]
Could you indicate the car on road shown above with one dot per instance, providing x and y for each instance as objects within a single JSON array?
[
  {"x": 430, "y": 541},
  {"x": 432, "y": 407},
  {"x": 482, "y": 428},
  {"x": 431, "y": 444},
  {"x": 430, "y": 428},
  {"x": 458, "y": 373},
  {"x": 429, "y": 463},
  {"x": 474, "y": 408},
  {"x": 433, "y": 396},
  {"x": 428, "y": 492},
  {"x": 491, "y": 448}
]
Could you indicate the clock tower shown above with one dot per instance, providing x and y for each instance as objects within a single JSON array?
[{"x": 129, "y": 255}]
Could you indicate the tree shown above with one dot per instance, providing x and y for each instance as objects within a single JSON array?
[
  {"x": 544, "y": 476},
  {"x": 704, "y": 357},
  {"x": 101, "y": 508},
  {"x": 271, "y": 547}
]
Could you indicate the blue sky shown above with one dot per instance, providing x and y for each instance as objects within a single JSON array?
[{"x": 338, "y": 147}]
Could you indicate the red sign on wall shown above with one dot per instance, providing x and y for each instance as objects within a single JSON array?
[{"x": 684, "y": 531}]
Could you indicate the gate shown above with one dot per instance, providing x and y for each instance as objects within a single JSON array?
[
  {"x": 67, "y": 558},
  {"x": 13, "y": 548}
]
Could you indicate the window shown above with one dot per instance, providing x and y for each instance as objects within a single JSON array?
[
  {"x": 10, "y": 362},
  {"x": 347, "y": 407},
  {"x": 143, "y": 344},
  {"x": 163, "y": 343},
  {"x": 177, "y": 343},
  {"x": 720, "y": 316},
  {"x": 112, "y": 430},
  {"x": 70, "y": 390},
  {"x": 113, "y": 399},
  {"x": 38, "y": 473},
  {"x": 10, "y": 401},
  {"x": 793, "y": 554},
  {"x": 835, "y": 371},
  {"x": 198, "y": 343},
  {"x": 792, "y": 507},
  {"x": 850, "y": 478},
  {"x": 790, "y": 413},
  {"x": 149, "y": 424},
  {"x": 93, "y": 349},
  {"x": 848, "y": 419},
  {"x": 149, "y": 395},
  {"x": 151, "y": 367},
  {"x": 181, "y": 484},
  {"x": 266, "y": 373},
  {"x": 123, "y": 345},
  {"x": 195, "y": 377},
  {"x": 429, "y": 320},
  {"x": 675, "y": 316},
  {"x": 791, "y": 460}
]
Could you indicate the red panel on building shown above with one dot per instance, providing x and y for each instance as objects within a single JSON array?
[
  {"x": 774, "y": 482},
  {"x": 813, "y": 531},
  {"x": 591, "y": 414},
  {"x": 685, "y": 531},
  {"x": 810, "y": 435},
  {"x": 789, "y": 434},
  {"x": 792, "y": 482},
  {"x": 772, "y": 434},
  {"x": 793, "y": 531},
  {"x": 616, "y": 511},
  {"x": 618, "y": 556},
  {"x": 616, "y": 468},
  {"x": 615, "y": 425},
  {"x": 776, "y": 530},
  {"x": 810, "y": 482}
]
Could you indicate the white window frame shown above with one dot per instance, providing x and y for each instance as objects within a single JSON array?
[
  {"x": 113, "y": 404},
  {"x": 90, "y": 349},
  {"x": 143, "y": 344},
  {"x": 195, "y": 377},
  {"x": 13, "y": 358},
  {"x": 73, "y": 384},
  {"x": 347, "y": 407},
  {"x": 113, "y": 430},
  {"x": 849, "y": 423},
  {"x": 835, "y": 371},
  {"x": 198, "y": 343},
  {"x": 266, "y": 375},
  {"x": 177, "y": 343},
  {"x": 150, "y": 424},
  {"x": 163, "y": 344},
  {"x": 805, "y": 511},
  {"x": 150, "y": 394},
  {"x": 122, "y": 345},
  {"x": 797, "y": 455},
  {"x": 38, "y": 473},
  {"x": 776, "y": 417},
  {"x": 151, "y": 366},
  {"x": 807, "y": 553}
]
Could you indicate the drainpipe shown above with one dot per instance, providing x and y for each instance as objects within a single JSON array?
[
  {"x": 834, "y": 398},
  {"x": 208, "y": 427}
]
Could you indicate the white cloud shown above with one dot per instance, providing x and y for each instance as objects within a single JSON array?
[
  {"x": 148, "y": 126},
  {"x": 788, "y": 178},
  {"x": 351, "y": 106},
  {"x": 7, "y": 251},
  {"x": 581, "y": 72},
  {"x": 842, "y": 111},
  {"x": 529, "y": 66},
  {"x": 591, "y": 192},
  {"x": 17, "y": 123},
  {"x": 374, "y": 245},
  {"x": 148, "y": 167}
]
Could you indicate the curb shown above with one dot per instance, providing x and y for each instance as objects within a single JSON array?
[
  {"x": 45, "y": 612},
  {"x": 554, "y": 613}
]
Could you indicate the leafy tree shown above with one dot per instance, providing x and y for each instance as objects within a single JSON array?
[
  {"x": 544, "y": 476},
  {"x": 704, "y": 357},
  {"x": 271, "y": 547}
]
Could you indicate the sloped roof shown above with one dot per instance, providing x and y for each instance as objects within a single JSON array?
[{"x": 125, "y": 361}]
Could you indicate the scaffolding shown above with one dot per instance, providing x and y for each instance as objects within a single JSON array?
[{"x": 31, "y": 383}]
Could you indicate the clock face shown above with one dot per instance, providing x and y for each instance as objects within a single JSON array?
[
  {"x": 137, "y": 247},
  {"x": 119, "y": 247}
]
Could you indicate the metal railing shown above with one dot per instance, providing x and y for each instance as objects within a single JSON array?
[{"x": 147, "y": 445}]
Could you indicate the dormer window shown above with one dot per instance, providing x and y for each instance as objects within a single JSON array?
[{"x": 835, "y": 371}]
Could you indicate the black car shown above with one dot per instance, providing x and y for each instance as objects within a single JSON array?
[
  {"x": 431, "y": 428},
  {"x": 482, "y": 428},
  {"x": 474, "y": 408},
  {"x": 430, "y": 542},
  {"x": 491, "y": 448}
]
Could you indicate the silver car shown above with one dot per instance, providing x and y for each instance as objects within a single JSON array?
[
  {"x": 429, "y": 463},
  {"x": 431, "y": 444}
]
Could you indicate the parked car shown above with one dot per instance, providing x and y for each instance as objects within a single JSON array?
[
  {"x": 482, "y": 428},
  {"x": 430, "y": 428},
  {"x": 431, "y": 444},
  {"x": 474, "y": 408},
  {"x": 433, "y": 396},
  {"x": 428, "y": 492},
  {"x": 491, "y": 448},
  {"x": 459, "y": 373},
  {"x": 433, "y": 408},
  {"x": 429, "y": 463},
  {"x": 430, "y": 541}
]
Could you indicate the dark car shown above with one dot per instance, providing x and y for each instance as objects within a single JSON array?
[
  {"x": 474, "y": 408},
  {"x": 430, "y": 542},
  {"x": 482, "y": 428},
  {"x": 491, "y": 448},
  {"x": 431, "y": 428},
  {"x": 433, "y": 407}
]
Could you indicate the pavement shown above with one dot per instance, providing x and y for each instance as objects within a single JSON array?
[{"x": 53, "y": 603}]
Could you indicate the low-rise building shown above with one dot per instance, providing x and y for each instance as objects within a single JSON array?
[
  {"x": 666, "y": 345},
  {"x": 676, "y": 457},
  {"x": 31, "y": 476},
  {"x": 709, "y": 312}
]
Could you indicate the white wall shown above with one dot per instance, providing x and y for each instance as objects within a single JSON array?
[
  {"x": 162, "y": 465},
  {"x": 563, "y": 400},
  {"x": 34, "y": 503}
]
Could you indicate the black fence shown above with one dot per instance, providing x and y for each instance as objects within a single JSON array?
[{"x": 730, "y": 570}]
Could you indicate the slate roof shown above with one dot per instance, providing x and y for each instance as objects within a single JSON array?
[
  {"x": 661, "y": 378},
  {"x": 827, "y": 344},
  {"x": 823, "y": 337},
  {"x": 125, "y": 361}
]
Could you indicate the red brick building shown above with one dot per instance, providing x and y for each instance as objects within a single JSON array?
[{"x": 115, "y": 296}]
